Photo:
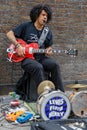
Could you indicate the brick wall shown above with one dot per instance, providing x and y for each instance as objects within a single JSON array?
[{"x": 69, "y": 26}]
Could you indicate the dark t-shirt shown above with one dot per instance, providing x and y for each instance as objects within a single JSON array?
[{"x": 29, "y": 33}]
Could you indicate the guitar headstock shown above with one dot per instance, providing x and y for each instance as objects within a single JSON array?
[{"x": 72, "y": 52}]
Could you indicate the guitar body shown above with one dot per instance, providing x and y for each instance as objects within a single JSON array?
[{"x": 12, "y": 53}]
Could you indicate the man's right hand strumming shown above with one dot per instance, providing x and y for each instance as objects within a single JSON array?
[{"x": 20, "y": 50}]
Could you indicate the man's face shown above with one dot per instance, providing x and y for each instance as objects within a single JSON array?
[{"x": 42, "y": 19}]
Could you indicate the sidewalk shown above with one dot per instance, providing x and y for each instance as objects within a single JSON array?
[
  {"x": 4, "y": 125},
  {"x": 8, "y": 125}
]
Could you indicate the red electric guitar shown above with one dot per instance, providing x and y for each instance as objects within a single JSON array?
[{"x": 30, "y": 49}]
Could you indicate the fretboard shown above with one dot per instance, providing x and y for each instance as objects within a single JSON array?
[{"x": 45, "y": 51}]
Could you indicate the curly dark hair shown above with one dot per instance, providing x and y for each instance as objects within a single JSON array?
[{"x": 36, "y": 10}]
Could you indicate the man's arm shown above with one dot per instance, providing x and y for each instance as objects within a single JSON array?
[
  {"x": 20, "y": 50},
  {"x": 12, "y": 38}
]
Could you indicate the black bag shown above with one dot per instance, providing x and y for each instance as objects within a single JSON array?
[
  {"x": 66, "y": 124},
  {"x": 45, "y": 126}
]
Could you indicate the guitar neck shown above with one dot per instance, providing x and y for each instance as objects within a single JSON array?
[{"x": 45, "y": 51}]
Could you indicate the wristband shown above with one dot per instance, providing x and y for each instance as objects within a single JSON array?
[{"x": 17, "y": 45}]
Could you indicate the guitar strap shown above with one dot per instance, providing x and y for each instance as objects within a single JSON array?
[{"x": 43, "y": 36}]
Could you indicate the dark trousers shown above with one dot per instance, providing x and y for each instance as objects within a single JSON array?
[{"x": 36, "y": 69}]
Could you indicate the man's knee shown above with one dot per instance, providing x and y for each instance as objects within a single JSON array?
[
  {"x": 56, "y": 66},
  {"x": 39, "y": 67}
]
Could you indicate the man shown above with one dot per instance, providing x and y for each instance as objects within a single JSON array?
[{"x": 31, "y": 32}]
